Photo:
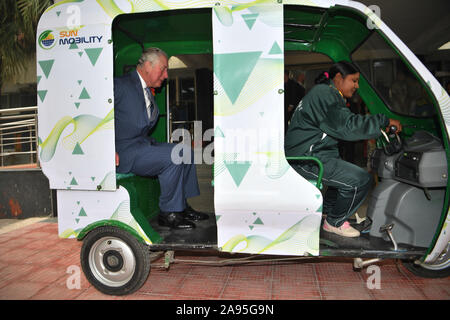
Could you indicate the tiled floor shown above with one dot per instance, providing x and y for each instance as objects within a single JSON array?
[{"x": 35, "y": 264}]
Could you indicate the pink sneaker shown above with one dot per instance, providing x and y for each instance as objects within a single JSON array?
[{"x": 345, "y": 230}]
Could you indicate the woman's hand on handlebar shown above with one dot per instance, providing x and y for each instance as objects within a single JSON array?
[{"x": 396, "y": 123}]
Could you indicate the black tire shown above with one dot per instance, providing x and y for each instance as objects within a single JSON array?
[
  {"x": 425, "y": 271},
  {"x": 114, "y": 261}
]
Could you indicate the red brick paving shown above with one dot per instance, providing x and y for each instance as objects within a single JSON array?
[{"x": 35, "y": 265}]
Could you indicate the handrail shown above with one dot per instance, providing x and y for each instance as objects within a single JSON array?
[
  {"x": 319, "y": 163},
  {"x": 15, "y": 110},
  {"x": 18, "y": 128}
]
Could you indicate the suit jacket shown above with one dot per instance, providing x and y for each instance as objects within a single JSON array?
[{"x": 132, "y": 125}]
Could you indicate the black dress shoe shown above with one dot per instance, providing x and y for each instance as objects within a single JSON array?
[
  {"x": 174, "y": 220},
  {"x": 191, "y": 214}
]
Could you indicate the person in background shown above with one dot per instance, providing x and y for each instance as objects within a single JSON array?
[
  {"x": 301, "y": 77},
  {"x": 293, "y": 93}
]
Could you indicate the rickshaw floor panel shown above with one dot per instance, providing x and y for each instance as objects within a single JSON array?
[
  {"x": 204, "y": 235},
  {"x": 365, "y": 246}
]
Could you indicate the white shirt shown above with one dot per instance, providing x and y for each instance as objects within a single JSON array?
[
  {"x": 146, "y": 97},
  {"x": 144, "y": 85}
]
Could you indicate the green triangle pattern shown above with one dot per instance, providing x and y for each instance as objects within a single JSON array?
[
  {"x": 73, "y": 46},
  {"x": 218, "y": 133},
  {"x": 80, "y": 53},
  {"x": 238, "y": 170},
  {"x": 58, "y": 13},
  {"x": 82, "y": 213},
  {"x": 77, "y": 220},
  {"x": 251, "y": 227},
  {"x": 46, "y": 66},
  {"x": 258, "y": 221},
  {"x": 39, "y": 79},
  {"x": 79, "y": 81},
  {"x": 77, "y": 149},
  {"x": 42, "y": 94},
  {"x": 77, "y": 104},
  {"x": 93, "y": 54},
  {"x": 275, "y": 49},
  {"x": 250, "y": 19},
  {"x": 84, "y": 94},
  {"x": 73, "y": 182},
  {"x": 233, "y": 71}
]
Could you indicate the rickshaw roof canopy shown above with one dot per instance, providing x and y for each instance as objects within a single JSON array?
[{"x": 335, "y": 32}]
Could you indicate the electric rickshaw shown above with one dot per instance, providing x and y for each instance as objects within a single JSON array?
[{"x": 262, "y": 206}]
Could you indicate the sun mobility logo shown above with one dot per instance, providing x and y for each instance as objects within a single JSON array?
[
  {"x": 46, "y": 40},
  {"x": 72, "y": 37}
]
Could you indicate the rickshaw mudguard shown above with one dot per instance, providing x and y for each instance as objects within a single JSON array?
[{"x": 113, "y": 223}]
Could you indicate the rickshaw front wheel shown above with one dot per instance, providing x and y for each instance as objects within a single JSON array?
[
  {"x": 114, "y": 261},
  {"x": 439, "y": 269}
]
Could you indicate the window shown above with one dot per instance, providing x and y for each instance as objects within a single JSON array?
[
  {"x": 392, "y": 80},
  {"x": 190, "y": 92}
]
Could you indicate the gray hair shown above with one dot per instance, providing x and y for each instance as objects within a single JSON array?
[
  {"x": 296, "y": 73},
  {"x": 151, "y": 54}
]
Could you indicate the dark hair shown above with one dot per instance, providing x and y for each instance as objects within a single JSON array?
[{"x": 343, "y": 67}]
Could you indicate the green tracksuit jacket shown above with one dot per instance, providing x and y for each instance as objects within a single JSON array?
[{"x": 322, "y": 118}]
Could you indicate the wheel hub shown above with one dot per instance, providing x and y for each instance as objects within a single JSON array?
[{"x": 112, "y": 261}]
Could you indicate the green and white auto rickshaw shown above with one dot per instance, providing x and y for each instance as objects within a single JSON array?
[{"x": 262, "y": 206}]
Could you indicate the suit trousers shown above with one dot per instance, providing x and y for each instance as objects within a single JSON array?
[
  {"x": 348, "y": 186},
  {"x": 177, "y": 181}
]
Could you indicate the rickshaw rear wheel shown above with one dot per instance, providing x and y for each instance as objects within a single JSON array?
[
  {"x": 114, "y": 261},
  {"x": 437, "y": 270}
]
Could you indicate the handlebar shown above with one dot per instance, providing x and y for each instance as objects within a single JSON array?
[
  {"x": 393, "y": 129},
  {"x": 393, "y": 142}
]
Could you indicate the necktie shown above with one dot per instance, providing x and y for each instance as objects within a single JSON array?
[{"x": 151, "y": 107}]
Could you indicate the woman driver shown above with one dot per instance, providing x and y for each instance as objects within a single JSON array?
[{"x": 319, "y": 121}]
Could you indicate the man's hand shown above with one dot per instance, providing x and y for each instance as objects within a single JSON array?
[
  {"x": 394, "y": 122},
  {"x": 117, "y": 159}
]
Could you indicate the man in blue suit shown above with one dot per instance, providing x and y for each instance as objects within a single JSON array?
[{"x": 136, "y": 113}]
